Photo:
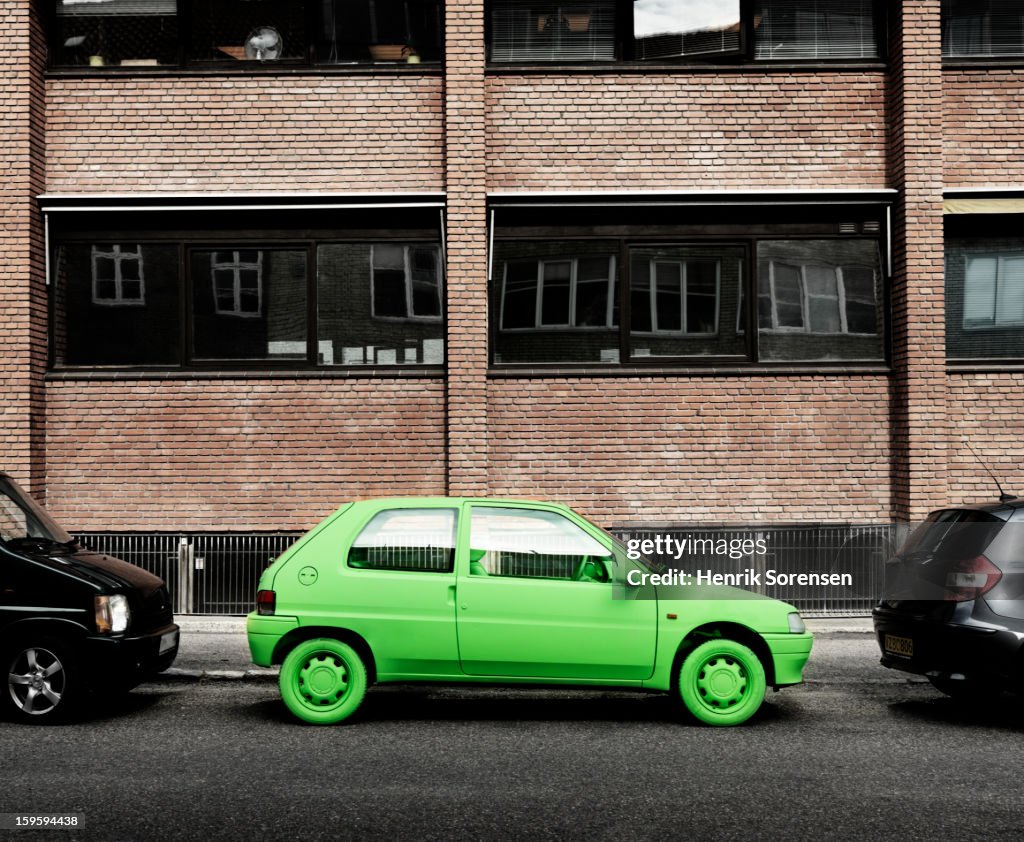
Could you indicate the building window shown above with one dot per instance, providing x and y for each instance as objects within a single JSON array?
[
  {"x": 406, "y": 282},
  {"x": 685, "y": 303},
  {"x": 686, "y": 28},
  {"x": 592, "y": 30},
  {"x": 117, "y": 276},
  {"x": 559, "y": 292},
  {"x": 573, "y": 30},
  {"x": 815, "y": 29},
  {"x": 819, "y": 299},
  {"x": 380, "y": 31},
  {"x": 365, "y": 295},
  {"x": 247, "y": 303},
  {"x": 985, "y": 299},
  {"x": 237, "y": 282},
  {"x": 243, "y": 33},
  {"x": 104, "y": 33},
  {"x": 115, "y": 304},
  {"x": 982, "y": 28}
]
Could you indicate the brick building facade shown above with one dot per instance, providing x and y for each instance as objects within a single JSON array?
[{"x": 682, "y": 173}]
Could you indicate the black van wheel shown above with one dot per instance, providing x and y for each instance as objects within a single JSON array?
[{"x": 42, "y": 680}]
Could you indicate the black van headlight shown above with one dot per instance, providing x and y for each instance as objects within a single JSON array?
[{"x": 112, "y": 614}]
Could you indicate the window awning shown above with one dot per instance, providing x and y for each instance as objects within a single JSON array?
[{"x": 961, "y": 206}]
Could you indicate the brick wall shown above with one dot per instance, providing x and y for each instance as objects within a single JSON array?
[
  {"x": 236, "y": 454},
  {"x": 22, "y": 283},
  {"x": 465, "y": 177},
  {"x": 985, "y": 410},
  {"x": 983, "y": 128},
  {"x": 682, "y": 450},
  {"x": 259, "y": 134},
  {"x": 682, "y": 131},
  {"x": 918, "y": 400}
]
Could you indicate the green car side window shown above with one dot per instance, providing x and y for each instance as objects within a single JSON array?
[
  {"x": 420, "y": 540},
  {"x": 524, "y": 543}
]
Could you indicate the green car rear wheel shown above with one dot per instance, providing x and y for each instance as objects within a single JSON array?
[
  {"x": 722, "y": 682},
  {"x": 323, "y": 681}
]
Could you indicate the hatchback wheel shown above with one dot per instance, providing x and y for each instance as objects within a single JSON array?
[
  {"x": 722, "y": 682},
  {"x": 42, "y": 682},
  {"x": 323, "y": 681}
]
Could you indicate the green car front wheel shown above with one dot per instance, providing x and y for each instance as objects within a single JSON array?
[
  {"x": 722, "y": 682},
  {"x": 323, "y": 681}
]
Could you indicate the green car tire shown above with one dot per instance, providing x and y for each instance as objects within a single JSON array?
[
  {"x": 722, "y": 682},
  {"x": 323, "y": 681}
]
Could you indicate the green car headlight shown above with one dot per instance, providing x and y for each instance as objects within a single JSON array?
[{"x": 796, "y": 623}]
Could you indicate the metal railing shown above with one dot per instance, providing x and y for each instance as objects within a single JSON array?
[
  {"x": 217, "y": 572},
  {"x": 206, "y": 573}
]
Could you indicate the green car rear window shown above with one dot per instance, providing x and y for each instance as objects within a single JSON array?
[{"x": 420, "y": 540}]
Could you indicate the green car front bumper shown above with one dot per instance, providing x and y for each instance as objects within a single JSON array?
[{"x": 789, "y": 655}]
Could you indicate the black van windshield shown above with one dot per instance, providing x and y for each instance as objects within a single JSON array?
[{"x": 22, "y": 519}]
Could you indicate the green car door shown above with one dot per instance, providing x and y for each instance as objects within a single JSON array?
[{"x": 534, "y": 599}]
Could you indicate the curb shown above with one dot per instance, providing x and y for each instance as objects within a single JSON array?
[{"x": 175, "y": 675}]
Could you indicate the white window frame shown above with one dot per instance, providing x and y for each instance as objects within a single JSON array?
[
  {"x": 652, "y": 281},
  {"x": 118, "y": 255},
  {"x": 237, "y": 266},
  {"x": 996, "y": 323},
  {"x": 574, "y": 281},
  {"x": 841, "y": 298},
  {"x": 407, "y": 269}
]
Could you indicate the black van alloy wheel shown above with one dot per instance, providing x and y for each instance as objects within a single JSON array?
[{"x": 40, "y": 679}]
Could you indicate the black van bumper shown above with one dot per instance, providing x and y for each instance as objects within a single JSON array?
[{"x": 129, "y": 660}]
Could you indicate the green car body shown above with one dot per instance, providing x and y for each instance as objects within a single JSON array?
[{"x": 456, "y": 590}]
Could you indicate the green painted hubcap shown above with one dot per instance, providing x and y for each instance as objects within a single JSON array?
[
  {"x": 323, "y": 680},
  {"x": 722, "y": 682}
]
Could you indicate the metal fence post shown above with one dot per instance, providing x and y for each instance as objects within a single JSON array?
[{"x": 186, "y": 573}]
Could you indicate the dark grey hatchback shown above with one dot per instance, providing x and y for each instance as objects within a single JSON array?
[
  {"x": 953, "y": 606},
  {"x": 71, "y": 620}
]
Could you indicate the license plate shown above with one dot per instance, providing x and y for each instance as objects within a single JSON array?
[
  {"x": 901, "y": 646},
  {"x": 168, "y": 642}
]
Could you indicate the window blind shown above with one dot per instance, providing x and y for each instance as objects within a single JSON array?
[
  {"x": 985, "y": 28},
  {"x": 815, "y": 29},
  {"x": 573, "y": 31},
  {"x": 120, "y": 8}
]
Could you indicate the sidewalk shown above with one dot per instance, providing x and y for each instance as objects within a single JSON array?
[{"x": 215, "y": 648}]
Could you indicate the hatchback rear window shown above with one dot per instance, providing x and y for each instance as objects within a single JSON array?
[
  {"x": 954, "y": 533},
  {"x": 407, "y": 539}
]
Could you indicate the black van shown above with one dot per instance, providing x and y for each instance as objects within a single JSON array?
[{"x": 71, "y": 620}]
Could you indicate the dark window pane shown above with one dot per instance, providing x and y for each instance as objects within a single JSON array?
[
  {"x": 249, "y": 305},
  {"x": 985, "y": 298},
  {"x": 575, "y": 30},
  {"x": 820, "y": 300},
  {"x": 102, "y": 319},
  {"x": 426, "y": 288},
  {"x": 361, "y": 305},
  {"x": 389, "y": 293},
  {"x": 555, "y": 294},
  {"x": 685, "y": 28},
  {"x": 575, "y": 284},
  {"x": 669, "y": 302},
  {"x": 820, "y": 29},
  {"x": 695, "y": 294},
  {"x": 389, "y": 31},
  {"x": 982, "y": 27},
  {"x": 248, "y": 30},
  {"x": 105, "y": 33}
]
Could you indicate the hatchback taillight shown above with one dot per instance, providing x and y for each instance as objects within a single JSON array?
[
  {"x": 266, "y": 602},
  {"x": 971, "y": 578}
]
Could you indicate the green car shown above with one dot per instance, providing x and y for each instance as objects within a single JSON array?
[{"x": 506, "y": 592}]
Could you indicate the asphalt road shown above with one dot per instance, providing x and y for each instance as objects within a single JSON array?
[{"x": 857, "y": 752}]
